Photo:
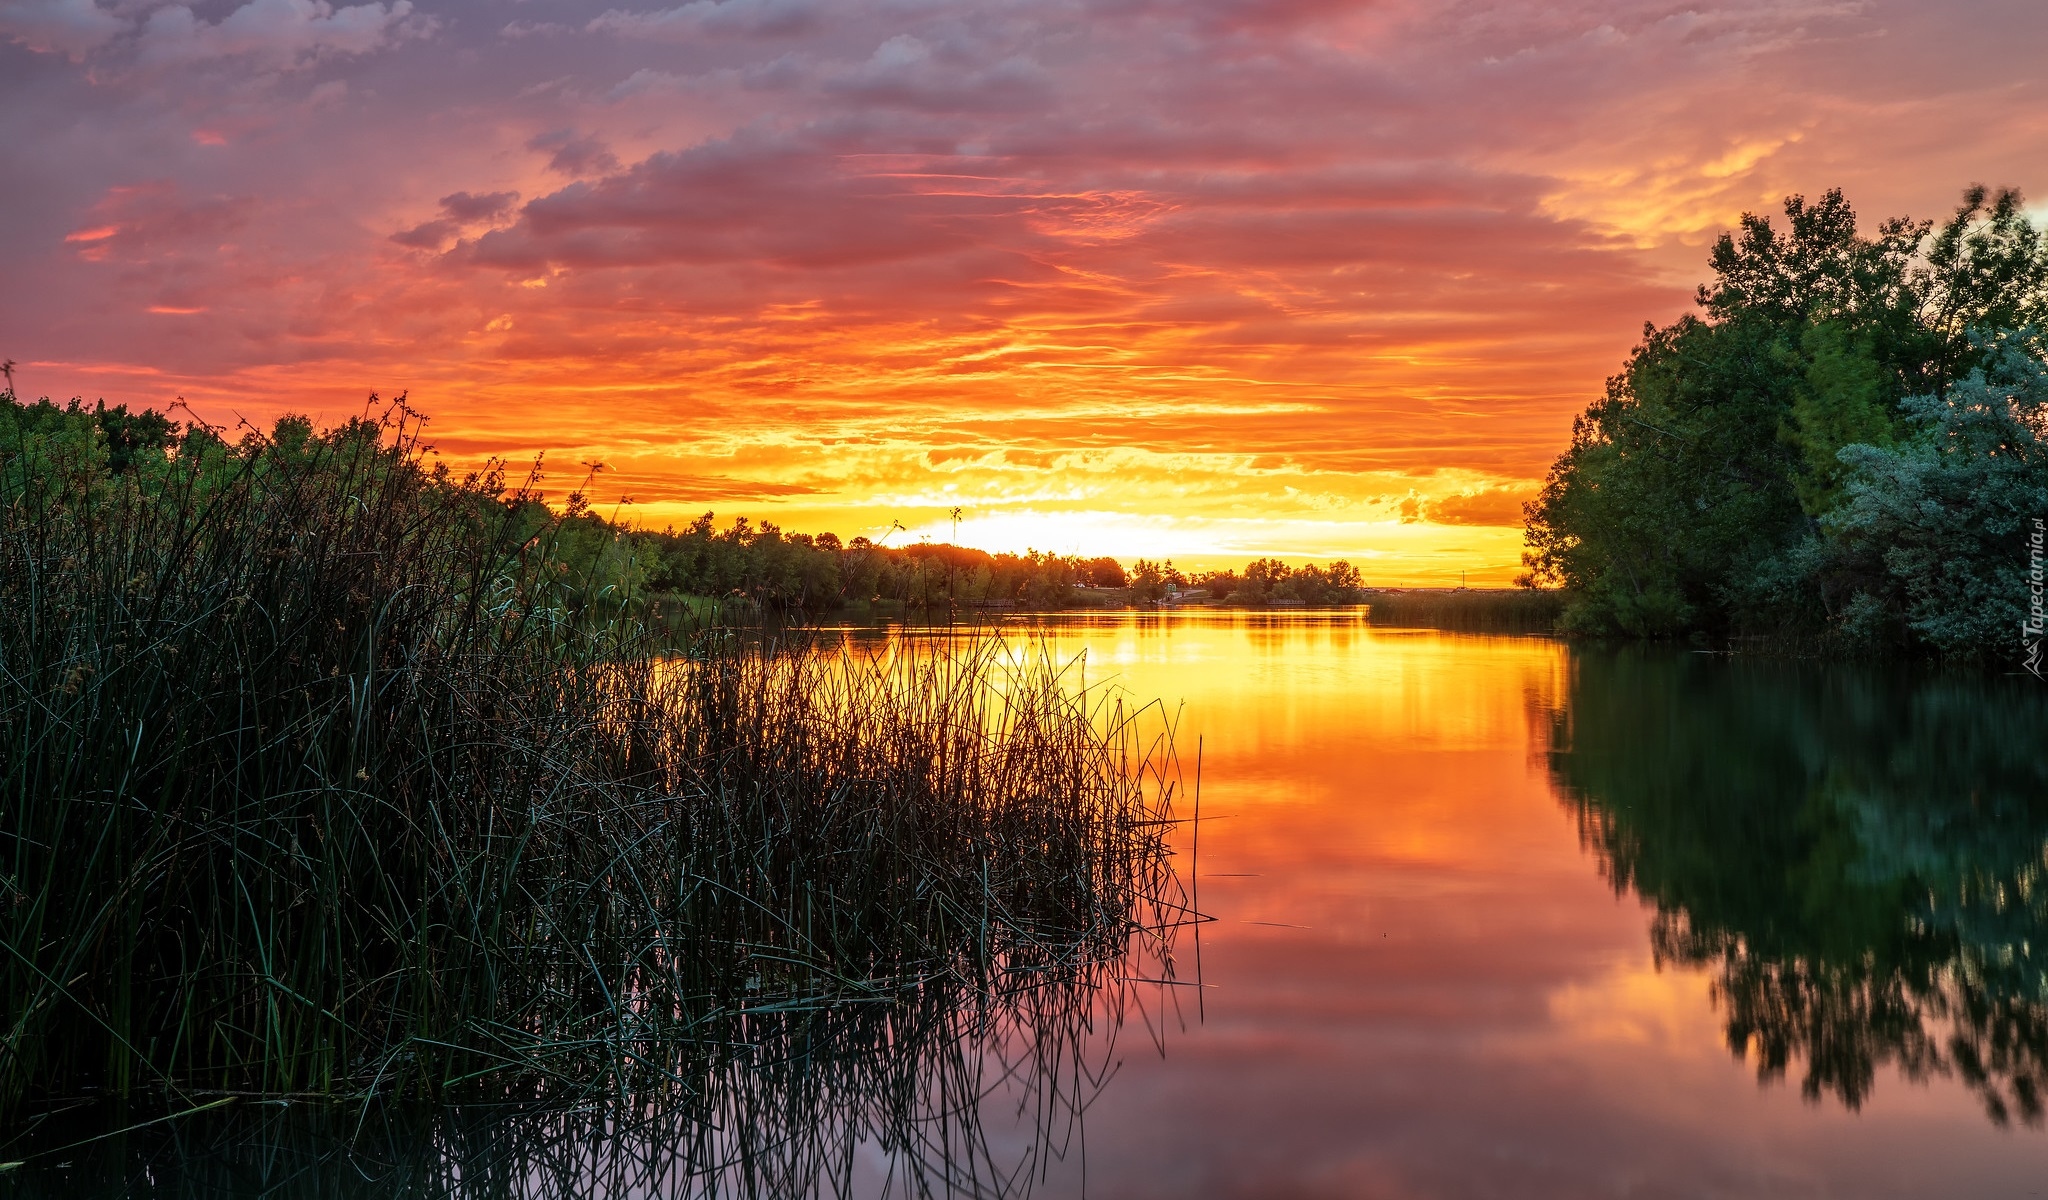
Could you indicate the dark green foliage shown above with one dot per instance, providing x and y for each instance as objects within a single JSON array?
[
  {"x": 126, "y": 436},
  {"x": 327, "y": 772},
  {"x": 1676, "y": 482},
  {"x": 1709, "y": 490},
  {"x": 769, "y": 569},
  {"x": 1856, "y": 855},
  {"x": 760, "y": 564},
  {"x": 1936, "y": 529},
  {"x": 1844, "y": 398},
  {"x": 763, "y": 566}
]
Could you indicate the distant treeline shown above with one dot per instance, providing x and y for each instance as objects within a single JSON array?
[
  {"x": 757, "y": 563},
  {"x": 1848, "y": 443},
  {"x": 798, "y": 572}
]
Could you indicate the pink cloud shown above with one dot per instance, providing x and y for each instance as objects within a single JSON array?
[
  {"x": 1383, "y": 247},
  {"x": 711, "y": 18},
  {"x": 155, "y": 222},
  {"x": 278, "y": 34},
  {"x": 68, "y": 27}
]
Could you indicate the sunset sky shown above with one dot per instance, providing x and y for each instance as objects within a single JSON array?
[{"x": 1205, "y": 280}]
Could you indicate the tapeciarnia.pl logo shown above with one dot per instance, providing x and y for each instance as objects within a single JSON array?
[{"x": 2037, "y": 621}]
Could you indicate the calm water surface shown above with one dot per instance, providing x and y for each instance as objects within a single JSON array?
[
  {"x": 1491, "y": 913},
  {"x": 1494, "y": 916}
]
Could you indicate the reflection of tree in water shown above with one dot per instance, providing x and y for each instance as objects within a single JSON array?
[
  {"x": 1861, "y": 855},
  {"x": 943, "y": 1090}
]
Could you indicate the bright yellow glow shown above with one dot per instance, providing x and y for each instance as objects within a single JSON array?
[{"x": 863, "y": 271}]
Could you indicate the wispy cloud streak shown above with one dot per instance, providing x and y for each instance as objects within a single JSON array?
[{"x": 1338, "y": 271}]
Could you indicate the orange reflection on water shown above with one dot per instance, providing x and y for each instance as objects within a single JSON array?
[
  {"x": 1417, "y": 981},
  {"x": 1328, "y": 745}
]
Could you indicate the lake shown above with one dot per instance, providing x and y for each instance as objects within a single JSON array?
[
  {"x": 1500, "y": 916},
  {"x": 1490, "y": 912}
]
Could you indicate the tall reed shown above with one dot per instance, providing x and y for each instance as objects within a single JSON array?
[
  {"x": 327, "y": 772},
  {"x": 1502, "y": 610}
]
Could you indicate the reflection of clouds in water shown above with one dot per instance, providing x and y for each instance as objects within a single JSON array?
[
  {"x": 1470, "y": 1010},
  {"x": 1637, "y": 1003}
]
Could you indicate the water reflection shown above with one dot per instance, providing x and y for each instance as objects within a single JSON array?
[
  {"x": 959, "y": 1067},
  {"x": 1856, "y": 855},
  {"x": 1418, "y": 984},
  {"x": 943, "y": 1091}
]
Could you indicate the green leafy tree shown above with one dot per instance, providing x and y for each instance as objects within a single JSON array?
[
  {"x": 1841, "y": 398},
  {"x": 1946, "y": 513},
  {"x": 1675, "y": 483},
  {"x": 1105, "y": 572},
  {"x": 1147, "y": 581},
  {"x": 1698, "y": 494}
]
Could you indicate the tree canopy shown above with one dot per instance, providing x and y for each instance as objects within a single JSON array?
[{"x": 1784, "y": 459}]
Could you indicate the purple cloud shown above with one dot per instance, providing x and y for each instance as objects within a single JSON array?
[{"x": 1387, "y": 236}]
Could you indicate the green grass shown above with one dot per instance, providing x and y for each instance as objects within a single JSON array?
[{"x": 329, "y": 774}]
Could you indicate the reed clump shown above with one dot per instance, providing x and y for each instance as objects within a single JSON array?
[
  {"x": 1505, "y": 610},
  {"x": 330, "y": 773}
]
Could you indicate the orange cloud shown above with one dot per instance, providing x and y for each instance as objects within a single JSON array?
[{"x": 1321, "y": 277}]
